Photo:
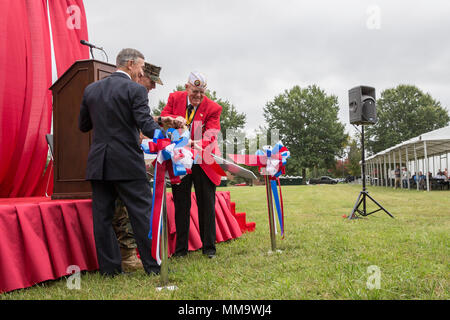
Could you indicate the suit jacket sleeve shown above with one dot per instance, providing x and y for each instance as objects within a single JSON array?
[
  {"x": 84, "y": 118},
  {"x": 141, "y": 111}
]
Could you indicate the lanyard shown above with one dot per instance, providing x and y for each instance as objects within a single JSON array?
[{"x": 191, "y": 117}]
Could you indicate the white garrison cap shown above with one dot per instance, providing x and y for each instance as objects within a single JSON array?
[{"x": 197, "y": 79}]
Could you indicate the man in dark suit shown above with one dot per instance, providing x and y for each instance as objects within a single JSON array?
[
  {"x": 116, "y": 108},
  {"x": 202, "y": 115},
  {"x": 121, "y": 221}
]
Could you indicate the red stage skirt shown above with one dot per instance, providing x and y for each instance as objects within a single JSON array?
[{"x": 40, "y": 238}]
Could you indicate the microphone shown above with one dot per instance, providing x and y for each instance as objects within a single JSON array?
[
  {"x": 90, "y": 45},
  {"x": 84, "y": 42}
]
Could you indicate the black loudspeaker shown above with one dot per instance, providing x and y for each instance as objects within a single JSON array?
[{"x": 362, "y": 105}]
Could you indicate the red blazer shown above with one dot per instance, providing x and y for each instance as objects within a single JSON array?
[{"x": 208, "y": 116}]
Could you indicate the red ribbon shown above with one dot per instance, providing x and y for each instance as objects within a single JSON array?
[
  {"x": 259, "y": 161},
  {"x": 158, "y": 194}
]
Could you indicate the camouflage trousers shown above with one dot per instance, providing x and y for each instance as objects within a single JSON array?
[{"x": 122, "y": 226}]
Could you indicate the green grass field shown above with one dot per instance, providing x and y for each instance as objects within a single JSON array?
[{"x": 324, "y": 256}]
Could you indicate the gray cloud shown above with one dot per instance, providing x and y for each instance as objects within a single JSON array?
[{"x": 253, "y": 50}]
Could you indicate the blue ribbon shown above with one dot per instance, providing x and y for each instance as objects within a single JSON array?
[
  {"x": 180, "y": 142},
  {"x": 177, "y": 139},
  {"x": 273, "y": 185},
  {"x": 268, "y": 152},
  {"x": 178, "y": 168}
]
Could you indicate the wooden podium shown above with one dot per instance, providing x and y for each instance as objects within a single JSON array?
[{"x": 70, "y": 145}]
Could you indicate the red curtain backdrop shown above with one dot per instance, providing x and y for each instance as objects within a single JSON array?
[
  {"x": 69, "y": 26},
  {"x": 26, "y": 98},
  {"x": 15, "y": 39},
  {"x": 25, "y": 101}
]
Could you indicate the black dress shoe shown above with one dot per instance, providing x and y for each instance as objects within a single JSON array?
[
  {"x": 154, "y": 272},
  {"x": 110, "y": 274},
  {"x": 179, "y": 254},
  {"x": 210, "y": 254}
]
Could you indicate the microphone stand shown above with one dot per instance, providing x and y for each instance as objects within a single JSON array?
[
  {"x": 92, "y": 52},
  {"x": 91, "y": 47}
]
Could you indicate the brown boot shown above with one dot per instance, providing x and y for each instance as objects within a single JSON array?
[{"x": 130, "y": 261}]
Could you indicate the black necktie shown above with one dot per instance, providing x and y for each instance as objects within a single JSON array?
[{"x": 190, "y": 109}]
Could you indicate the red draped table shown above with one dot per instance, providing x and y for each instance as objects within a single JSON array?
[{"x": 40, "y": 238}]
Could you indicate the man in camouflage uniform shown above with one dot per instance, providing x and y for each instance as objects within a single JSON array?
[{"x": 121, "y": 222}]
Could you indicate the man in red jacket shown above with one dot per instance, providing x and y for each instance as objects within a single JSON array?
[{"x": 202, "y": 117}]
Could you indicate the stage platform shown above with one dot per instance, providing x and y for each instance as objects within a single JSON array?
[{"x": 40, "y": 238}]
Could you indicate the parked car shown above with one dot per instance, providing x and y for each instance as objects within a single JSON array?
[
  {"x": 349, "y": 179},
  {"x": 323, "y": 180}
]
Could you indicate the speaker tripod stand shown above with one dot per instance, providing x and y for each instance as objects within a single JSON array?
[{"x": 364, "y": 194}]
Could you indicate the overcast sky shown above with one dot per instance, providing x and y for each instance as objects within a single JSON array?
[{"x": 253, "y": 50}]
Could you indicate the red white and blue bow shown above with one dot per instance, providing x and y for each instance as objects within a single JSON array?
[
  {"x": 271, "y": 161},
  {"x": 173, "y": 160}
]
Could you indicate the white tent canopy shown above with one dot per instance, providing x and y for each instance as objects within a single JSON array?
[{"x": 415, "y": 154}]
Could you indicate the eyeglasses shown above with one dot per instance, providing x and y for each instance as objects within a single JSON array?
[{"x": 197, "y": 91}]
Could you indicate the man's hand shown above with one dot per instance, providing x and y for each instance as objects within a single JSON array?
[
  {"x": 142, "y": 137},
  {"x": 166, "y": 122},
  {"x": 179, "y": 122}
]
